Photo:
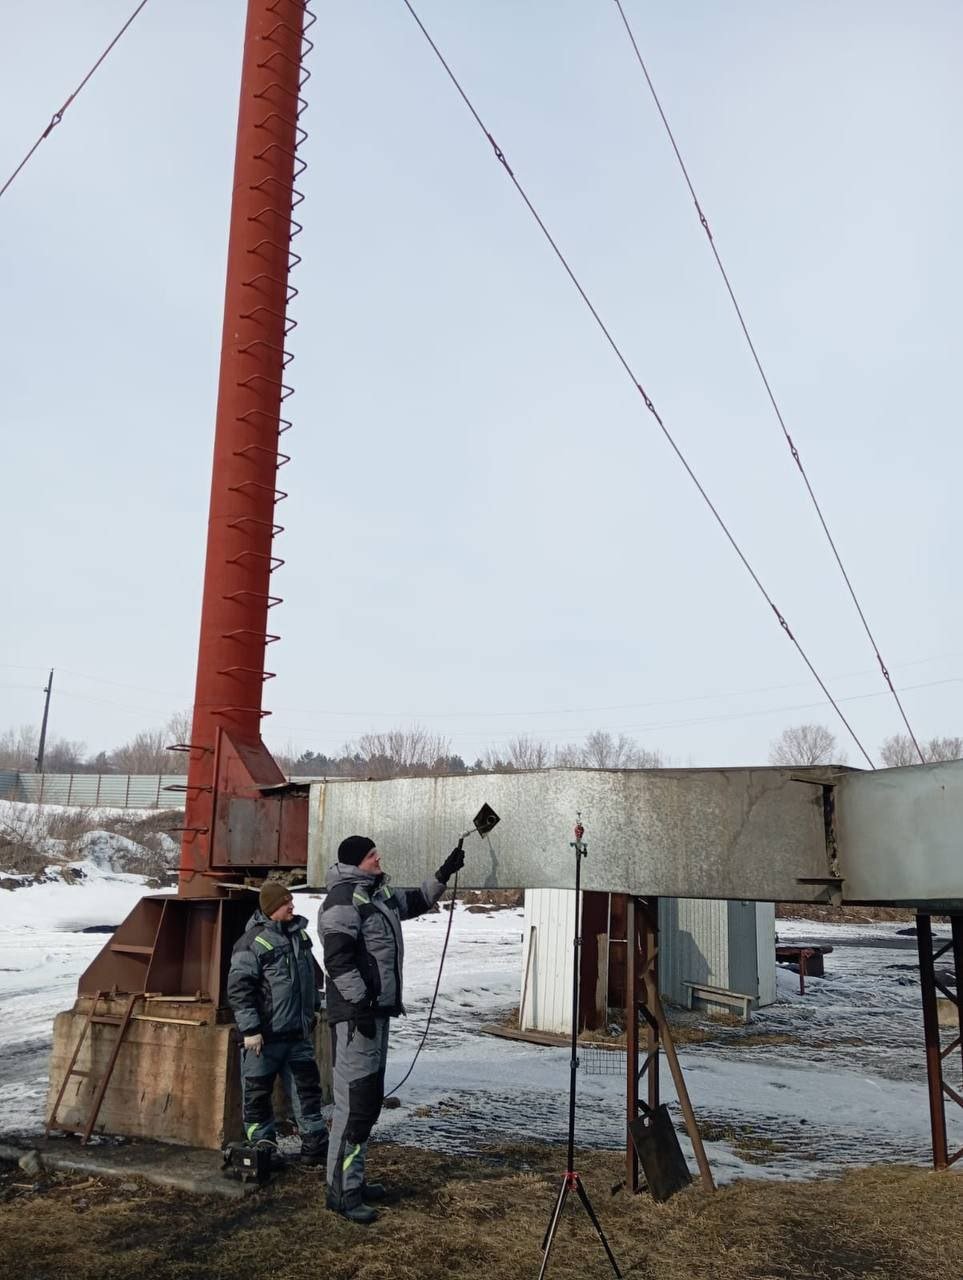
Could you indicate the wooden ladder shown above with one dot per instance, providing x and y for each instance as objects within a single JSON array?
[{"x": 102, "y": 1019}]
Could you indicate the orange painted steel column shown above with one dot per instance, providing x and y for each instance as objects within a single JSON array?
[{"x": 237, "y": 582}]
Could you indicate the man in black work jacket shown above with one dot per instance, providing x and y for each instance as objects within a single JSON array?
[
  {"x": 360, "y": 927},
  {"x": 272, "y": 986}
]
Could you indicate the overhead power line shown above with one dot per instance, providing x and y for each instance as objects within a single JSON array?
[
  {"x": 503, "y": 737},
  {"x": 500, "y": 157},
  {"x": 704, "y": 222},
  {"x": 57, "y": 116},
  {"x": 410, "y": 714}
]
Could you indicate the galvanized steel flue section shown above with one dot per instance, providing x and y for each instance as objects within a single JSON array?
[
  {"x": 900, "y": 835},
  {"x": 702, "y": 833},
  {"x": 237, "y": 582}
]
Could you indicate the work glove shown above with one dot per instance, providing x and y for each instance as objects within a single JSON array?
[
  {"x": 254, "y": 1044},
  {"x": 454, "y": 862}
]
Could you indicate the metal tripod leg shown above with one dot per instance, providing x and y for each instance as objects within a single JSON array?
[
  {"x": 570, "y": 1180},
  {"x": 553, "y": 1222},
  {"x": 587, "y": 1204}
]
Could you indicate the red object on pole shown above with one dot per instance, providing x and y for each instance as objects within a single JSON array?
[{"x": 227, "y": 757}]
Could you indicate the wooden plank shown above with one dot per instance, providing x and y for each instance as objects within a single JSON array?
[
  {"x": 532, "y": 932},
  {"x": 548, "y": 1039},
  {"x": 178, "y": 1022}
]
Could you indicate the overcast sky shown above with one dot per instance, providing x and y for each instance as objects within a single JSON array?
[{"x": 485, "y": 531}]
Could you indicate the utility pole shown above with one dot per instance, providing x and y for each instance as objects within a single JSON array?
[{"x": 43, "y": 723}]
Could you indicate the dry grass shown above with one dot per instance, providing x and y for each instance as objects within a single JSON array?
[
  {"x": 485, "y": 1218},
  {"x": 841, "y": 915}
]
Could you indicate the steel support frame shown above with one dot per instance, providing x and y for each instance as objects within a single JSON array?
[
  {"x": 938, "y": 1054},
  {"x": 643, "y": 1003}
]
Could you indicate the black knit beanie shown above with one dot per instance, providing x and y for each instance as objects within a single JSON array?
[{"x": 354, "y": 850}]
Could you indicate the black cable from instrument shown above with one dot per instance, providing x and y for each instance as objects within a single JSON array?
[{"x": 431, "y": 1007}]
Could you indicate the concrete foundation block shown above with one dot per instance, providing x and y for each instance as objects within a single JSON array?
[{"x": 176, "y": 1078}]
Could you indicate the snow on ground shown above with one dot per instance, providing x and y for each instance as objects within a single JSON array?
[
  {"x": 43, "y": 951},
  {"x": 848, "y": 1088},
  {"x": 851, "y": 1091}
]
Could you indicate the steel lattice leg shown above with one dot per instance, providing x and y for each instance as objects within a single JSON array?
[{"x": 932, "y": 984}]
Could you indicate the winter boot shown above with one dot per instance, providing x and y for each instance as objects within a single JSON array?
[
  {"x": 353, "y": 1208},
  {"x": 314, "y": 1148}
]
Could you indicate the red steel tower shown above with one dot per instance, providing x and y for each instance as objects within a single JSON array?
[
  {"x": 173, "y": 1065},
  {"x": 242, "y": 819},
  {"x": 240, "y": 816}
]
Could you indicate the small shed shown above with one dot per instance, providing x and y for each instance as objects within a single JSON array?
[{"x": 713, "y": 954}]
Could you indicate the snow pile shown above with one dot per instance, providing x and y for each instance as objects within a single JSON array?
[{"x": 50, "y": 842}]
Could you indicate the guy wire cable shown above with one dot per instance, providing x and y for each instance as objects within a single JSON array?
[
  {"x": 765, "y": 380},
  {"x": 57, "y": 116},
  {"x": 500, "y": 157}
]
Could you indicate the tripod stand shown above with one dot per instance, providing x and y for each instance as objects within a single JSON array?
[{"x": 572, "y": 1181}]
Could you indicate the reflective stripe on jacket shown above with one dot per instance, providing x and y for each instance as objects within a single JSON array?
[
  {"x": 272, "y": 984},
  {"x": 364, "y": 951}
]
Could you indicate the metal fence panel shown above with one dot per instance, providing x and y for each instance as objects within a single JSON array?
[{"x": 98, "y": 790}]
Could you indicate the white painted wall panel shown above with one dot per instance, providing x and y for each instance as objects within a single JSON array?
[
  {"x": 548, "y": 998},
  {"x": 766, "y": 951}
]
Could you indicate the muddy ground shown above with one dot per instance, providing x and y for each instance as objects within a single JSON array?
[{"x": 484, "y": 1217}]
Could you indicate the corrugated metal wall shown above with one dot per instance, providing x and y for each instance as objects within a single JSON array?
[
  {"x": 723, "y": 944},
  {"x": 693, "y": 944},
  {"x": 106, "y": 790}
]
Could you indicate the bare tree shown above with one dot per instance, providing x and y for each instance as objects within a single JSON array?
[
  {"x": 806, "y": 744},
  {"x": 149, "y": 751},
  {"x": 899, "y": 750},
  {"x": 604, "y": 751},
  {"x": 18, "y": 748},
  {"x": 493, "y": 762},
  {"x": 529, "y": 753},
  {"x": 567, "y": 756},
  {"x": 287, "y": 761},
  {"x": 179, "y": 728},
  {"x": 63, "y": 756},
  {"x": 411, "y": 752},
  {"x": 145, "y": 753}
]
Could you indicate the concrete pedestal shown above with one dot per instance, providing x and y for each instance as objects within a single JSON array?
[{"x": 176, "y": 1079}]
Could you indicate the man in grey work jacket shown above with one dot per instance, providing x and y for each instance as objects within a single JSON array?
[
  {"x": 360, "y": 926},
  {"x": 272, "y": 986}
]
